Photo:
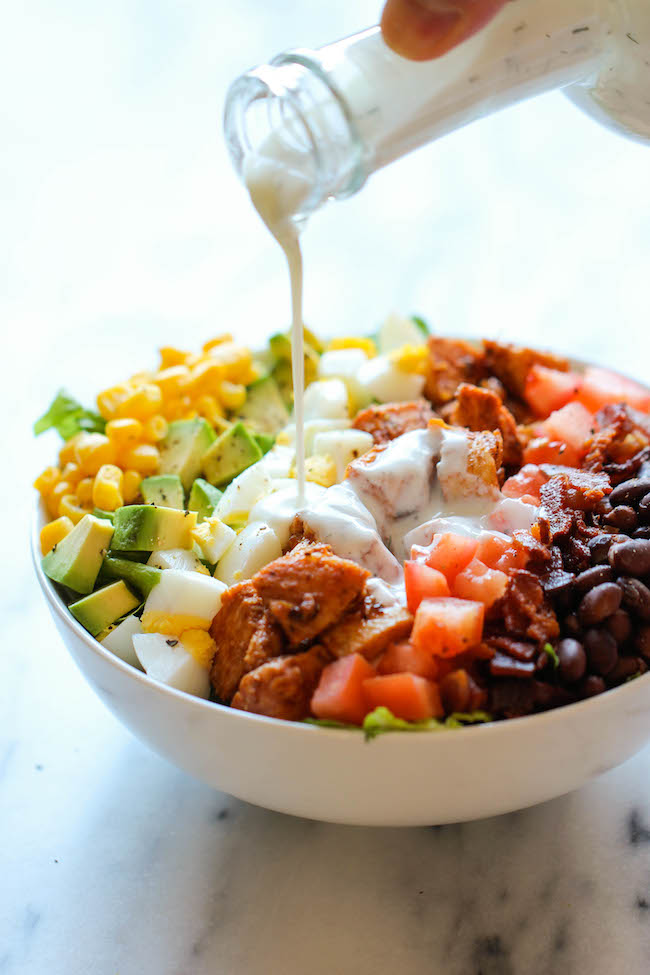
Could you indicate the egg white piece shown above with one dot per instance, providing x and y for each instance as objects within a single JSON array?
[
  {"x": 242, "y": 493},
  {"x": 343, "y": 446},
  {"x": 326, "y": 399},
  {"x": 182, "y": 601},
  {"x": 164, "y": 658},
  {"x": 312, "y": 429},
  {"x": 380, "y": 379},
  {"x": 119, "y": 640},
  {"x": 176, "y": 558},
  {"x": 397, "y": 331},
  {"x": 343, "y": 364},
  {"x": 255, "y": 546},
  {"x": 213, "y": 538}
]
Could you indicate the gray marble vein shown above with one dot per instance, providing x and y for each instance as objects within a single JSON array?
[{"x": 123, "y": 228}]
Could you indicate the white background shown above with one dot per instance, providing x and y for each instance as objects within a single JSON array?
[{"x": 123, "y": 228}]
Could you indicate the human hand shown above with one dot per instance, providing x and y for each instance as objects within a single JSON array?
[{"x": 425, "y": 29}]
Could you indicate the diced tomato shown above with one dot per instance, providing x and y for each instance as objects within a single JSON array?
[
  {"x": 460, "y": 692},
  {"x": 339, "y": 695},
  {"x": 479, "y": 583},
  {"x": 423, "y": 582},
  {"x": 419, "y": 553},
  {"x": 541, "y": 450},
  {"x": 526, "y": 483},
  {"x": 402, "y": 658},
  {"x": 602, "y": 386},
  {"x": 573, "y": 424},
  {"x": 447, "y": 627},
  {"x": 550, "y": 389},
  {"x": 450, "y": 553},
  {"x": 498, "y": 552},
  {"x": 406, "y": 695}
]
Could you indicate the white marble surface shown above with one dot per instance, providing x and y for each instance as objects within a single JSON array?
[{"x": 122, "y": 228}]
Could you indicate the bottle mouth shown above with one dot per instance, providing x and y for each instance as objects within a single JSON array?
[{"x": 286, "y": 113}]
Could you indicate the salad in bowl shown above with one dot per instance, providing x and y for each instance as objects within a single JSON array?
[{"x": 472, "y": 543}]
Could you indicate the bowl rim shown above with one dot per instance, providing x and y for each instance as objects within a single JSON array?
[{"x": 540, "y": 719}]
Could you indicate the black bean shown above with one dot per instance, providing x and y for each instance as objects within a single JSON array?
[
  {"x": 602, "y": 652},
  {"x": 642, "y": 640},
  {"x": 630, "y": 491},
  {"x": 593, "y": 577},
  {"x": 573, "y": 660},
  {"x": 624, "y": 518},
  {"x": 599, "y": 547},
  {"x": 636, "y": 596},
  {"x": 619, "y": 625},
  {"x": 571, "y": 625},
  {"x": 631, "y": 557},
  {"x": 625, "y": 667},
  {"x": 599, "y": 603},
  {"x": 643, "y": 532},
  {"x": 591, "y": 686},
  {"x": 644, "y": 509}
]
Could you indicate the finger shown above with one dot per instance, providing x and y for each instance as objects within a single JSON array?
[{"x": 425, "y": 29}]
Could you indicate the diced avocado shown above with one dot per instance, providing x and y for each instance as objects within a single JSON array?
[
  {"x": 182, "y": 450},
  {"x": 203, "y": 498},
  {"x": 229, "y": 455},
  {"x": 280, "y": 346},
  {"x": 264, "y": 410},
  {"x": 76, "y": 560},
  {"x": 165, "y": 490},
  {"x": 141, "y": 577},
  {"x": 98, "y": 610},
  {"x": 107, "y": 515},
  {"x": 282, "y": 376},
  {"x": 145, "y": 527},
  {"x": 264, "y": 441}
]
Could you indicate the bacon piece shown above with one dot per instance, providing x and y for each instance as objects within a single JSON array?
[
  {"x": 526, "y": 612},
  {"x": 283, "y": 687},
  {"x": 622, "y": 433},
  {"x": 308, "y": 589},
  {"x": 481, "y": 409},
  {"x": 512, "y": 363},
  {"x": 386, "y": 421},
  {"x": 451, "y": 362}
]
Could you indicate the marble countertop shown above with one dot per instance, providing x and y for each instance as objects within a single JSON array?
[{"x": 123, "y": 229}]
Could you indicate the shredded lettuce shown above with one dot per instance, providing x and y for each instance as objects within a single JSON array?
[
  {"x": 550, "y": 650},
  {"x": 381, "y": 720},
  {"x": 422, "y": 325},
  {"x": 68, "y": 417}
]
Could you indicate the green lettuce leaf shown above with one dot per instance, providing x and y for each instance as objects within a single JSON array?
[
  {"x": 550, "y": 650},
  {"x": 381, "y": 720},
  {"x": 68, "y": 417},
  {"x": 422, "y": 325}
]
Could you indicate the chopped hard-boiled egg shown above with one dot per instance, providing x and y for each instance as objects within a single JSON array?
[
  {"x": 343, "y": 364},
  {"x": 254, "y": 546},
  {"x": 119, "y": 640},
  {"x": 181, "y": 601},
  {"x": 242, "y": 493},
  {"x": 213, "y": 538},
  {"x": 382, "y": 380},
  {"x": 326, "y": 399},
  {"x": 343, "y": 446},
  {"x": 312, "y": 427},
  {"x": 177, "y": 558},
  {"x": 397, "y": 330},
  {"x": 165, "y": 658}
]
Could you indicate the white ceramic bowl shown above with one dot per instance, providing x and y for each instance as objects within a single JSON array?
[{"x": 397, "y": 779}]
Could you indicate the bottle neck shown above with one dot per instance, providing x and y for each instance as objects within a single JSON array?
[{"x": 337, "y": 114}]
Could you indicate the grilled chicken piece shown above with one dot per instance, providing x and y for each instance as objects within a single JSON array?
[
  {"x": 511, "y": 364},
  {"x": 308, "y": 589},
  {"x": 386, "y": 421},
  {"x": 368, "y": 629},
  {"x": 482, "y": 409},
  {"x": 282, "y": 687},
  {"x": 246, "y": 636},
  {"x": 451, "y": 362}
]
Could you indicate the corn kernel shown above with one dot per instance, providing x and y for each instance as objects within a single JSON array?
[
  {"x": 283, "y": 439},
  {"x": 201, "y": 645},
  {"x": 144, "y": 458},
  {"x": 353, "y": 342},
  {"x": 66, "y": 454},
  {"x": 110, "y": 400},
  {"x": 138, "y": 378},
  {"x": 237, "y": 361},
  {"x": 131, "y": 486},
  {"x": 217, "y": 340},
  {"x": 210, "y": 409},
  {"x": 69, "y": 507},
  {"x": 124, "y": 433},
  {"x": 48, "y": 480},
  {"x": 143, "y": 402},
  {"x": 53, "y": 499},
  {"x": 85, "y": 490},
  {"x": 155, "y": 428},
  {"x": 72, "y": 473},
  {"x": 232, "y": 395},
  {"x": 206, "y": 375},
  {"x": 107, "y": 489},
  {"x": 411, "y": 358},
  {"x": 92, "y": 450},
  {"x": 53, "y": 533},
  {"x": 169, "y": 381},
  {"x": 170, "y": 356}
]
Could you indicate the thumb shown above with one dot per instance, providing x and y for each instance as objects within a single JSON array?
[{"x": 426, "y": 29}]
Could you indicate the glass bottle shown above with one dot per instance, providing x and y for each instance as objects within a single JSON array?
[{"x": 337, "y": 114}]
